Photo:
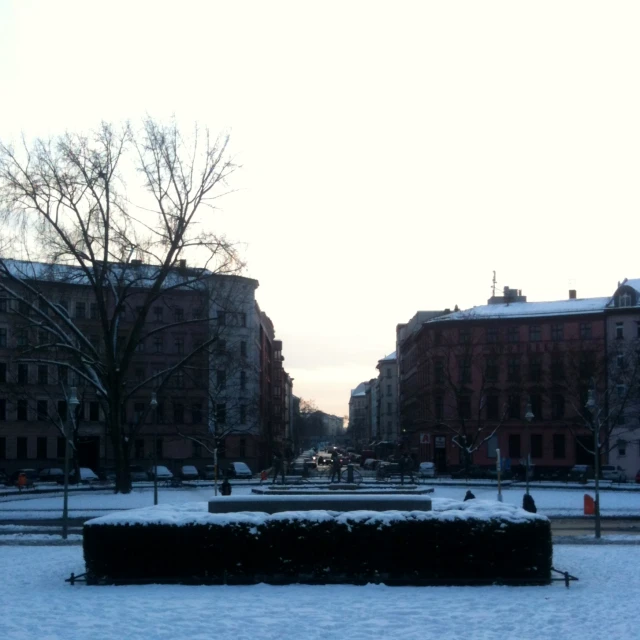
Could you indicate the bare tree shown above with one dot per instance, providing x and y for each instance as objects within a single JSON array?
[{"x": 67, "y": 203}]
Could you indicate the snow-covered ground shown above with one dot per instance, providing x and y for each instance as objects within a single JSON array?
[
  {"x": 36, "y": 603},
  {"x": 551, "y": 502}
]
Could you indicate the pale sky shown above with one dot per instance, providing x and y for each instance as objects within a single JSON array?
[{"x": 394, "y": 153}]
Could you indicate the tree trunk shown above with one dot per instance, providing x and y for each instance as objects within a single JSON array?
[{"x": 120, "y": 451}]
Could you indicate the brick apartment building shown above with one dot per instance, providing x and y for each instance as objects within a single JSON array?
[
  {"x": 471, "y": 376},
  {"x": 226, "y": 387}
]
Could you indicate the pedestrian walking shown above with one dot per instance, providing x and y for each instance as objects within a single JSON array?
[
  {"x": 335, "y": 466},
  {"x": 406, "y": 466},
  {"x": 278, "y": 466}
]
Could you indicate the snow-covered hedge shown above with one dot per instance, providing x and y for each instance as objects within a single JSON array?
[{"x": 474, "y": 542}]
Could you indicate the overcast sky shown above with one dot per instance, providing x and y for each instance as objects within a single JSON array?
[{"x": 394, "y": 153}]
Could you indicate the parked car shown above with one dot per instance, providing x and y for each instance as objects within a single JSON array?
[
  {"x": 370, "y": 464},
  {"x": 3, "y": 476},
  {"x": 31, "y": 475},
  {"x": 189, "y": 472},
  {"x": 108, "y": 474},
  {"x": 85, "y": 476},
  {"x": 581, "y": 473},
  {"x": 239, "y": 470},
  {"x": 162, "y": 472},
  {"x": 137, "y": 473},
  {"x": 613, "y": 473},
  {"x": 50, "y": 475},
  {"x": 210, "y": 472},
  {"x": 427, "y": 470}
]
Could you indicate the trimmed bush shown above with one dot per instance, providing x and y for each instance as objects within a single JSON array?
[{"x": 457, "y": 546}]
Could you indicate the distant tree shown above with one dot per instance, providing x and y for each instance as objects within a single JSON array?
[{"x": 96, "y": 207}]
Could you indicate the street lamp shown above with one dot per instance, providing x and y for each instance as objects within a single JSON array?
[
  {"x": 591, "y": 405},
  {"x": 72, "y": 404},
  {"x": 154, "y": 405},
  {"x": 528, "y": 416}
]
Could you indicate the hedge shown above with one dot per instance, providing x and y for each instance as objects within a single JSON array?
[{"x": 316, "y": 547}]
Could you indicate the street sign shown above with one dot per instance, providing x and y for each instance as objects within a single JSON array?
[
  {"x": 441, "y": 442},
  {"x": 498, "y": 459},
  {"x": 425, "y": 438}
]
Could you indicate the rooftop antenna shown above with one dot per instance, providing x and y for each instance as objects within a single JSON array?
[{"x": 493, "y": 285}]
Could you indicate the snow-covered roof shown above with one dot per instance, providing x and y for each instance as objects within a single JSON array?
[
  {"x": 529, "y": 309},
  {"x": 634, "y": 283},
  {"x": 389, "y": 358},
  {"x": 360, "y": 390}
]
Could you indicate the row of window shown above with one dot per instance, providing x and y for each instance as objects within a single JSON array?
[
  {"x": 537, "y": 333},
  {"x": 516, "y": 451}
]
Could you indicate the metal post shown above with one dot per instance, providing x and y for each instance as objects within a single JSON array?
[
  {"x": 215, "y": 469},
  {"x": 72, "y": 404},
  {"x": 592, "y": 406},
  {"x": 498, "y": 469},
  {"x": 154, "y": 405},
  {"x": 528, "y": 417}
]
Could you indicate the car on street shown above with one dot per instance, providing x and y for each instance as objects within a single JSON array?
[
  {"x": 613, "y": 473},
  {"x": 209, "y": 472},
  {"x": 427, "y": 470},
  {"x": 189, "y": 472},
  {"x": 581, "y": 473},
  {"x": 239, "y": 470},
  {"x": 137, "y": 473},
  {"x": 162, "y": 472},
  {"x": 30, "y": 474},
  {"x": 84, "y": 476},
  {"x": 50, "y": 475}
]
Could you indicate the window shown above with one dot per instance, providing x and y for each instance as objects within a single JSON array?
[
  {"x": 22, "y": 410},
  {"x": 22, "y": 447},
  {"x": 243, "y": 319},
  {"x": 619, "y": 330},
  {"x": 622, "y": 447},
  {"x": 63, "y": 307},
  {"x": 491, "y": 371},
  {"x": 514, "y": 445},
  {"x": 388, "y": 372},
  {"x": 557, "y": 332},
  {"x": 197, "y": 313},
  {"x": 514, "y": 407},
  {"x": 24, "y": 308},
  {"x": 139, "y": 375},
  {"x": 465, "y": 336},
  {"x": 464, "y": 408},
  {"x": 536, "y": 406},
  {"x": 179, "y": 379},
  {"x": 587, "y": 364},
  {"x": 22, "y": 337},
  {"x": 620, "y": 363},
  {"x": 138, "y": 448},
  {"x": 93, "y": 310},
  {"x": 63, "y": 374},
  {"x": 41, "y": 448},
  {"x": 492, "y": 334},
  {"x": 535, "y": 333},
  {"x": 178, "y": 314},
  {"x": 42, "y": 337},
  {"x": 197, "y": 450},
  {"x": 621, "y": 390},
  {"x": 43, "y": 374},
  {"x": 557, "y": 406},
  {"x": 221, "y": 413},
  {"x": 81, "y": 310},
  {"x": 559, "y": 451},
  {"x": 42, "y": 410},
  {"x": 513, "y": 334},
  {"x": 62, "y": 409},
  {"x": 492, "y": 446},
  {"x": 465, "y": 372},
  {"x": 513, "y": 369},
  {"x": 178, "y": 344},
  {"x": 637, "y": 329},
  {"x": 3, "y": 409},
  {"x": 157, "y": 313},
  {"x": 3, "y": 305},
  {"x": 178, "y": 412},
  {"x": 61, "y": 445},
  {"x": 438, "y": 405},
  {"x": 158, "y": 344},
  {"x": 243, "y": 380},
  {"x": 222, "y": 318},
  {"x": 221, "y": 346},
  {"x": 437, "y": 338},
  {"x": 23, "y": 374},
  {"x": 243, "y": 349},
  {"x": 585, "y": 331},
  {"x": 243, "y": 414},
  {"x": 94, "y": 411},
  {"x": 535, "y": 367},
  {"x": 3, "y": 372},
  {"x": 196, "y": 413},
  {"x": 536, "y": 445},
  {"x": 159, "y": 448},
  {"x": 625, "y": 300},
  {"x": 3, "y": 448},
  {"x": 388, "y": 389},
  {"x": 557, "y": 366},
  {"x": 140, "y": 346},
  {"x": 3, "y": 338},
  {"x": 138, "y": 412},
  {"x": 493, "y": 409},
  {"x": 438, "y": 371}
]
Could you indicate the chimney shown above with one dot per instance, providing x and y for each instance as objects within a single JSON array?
[
  {"x": 572, "y": 294},
  {"x": 183, "y": 264}
]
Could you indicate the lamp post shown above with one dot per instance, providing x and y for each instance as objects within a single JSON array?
[
  {"x": 154, "y": 405},
  {"x": 528, "y": 416},
  {"x": 592, "y": 405},
  {"x": 72, "y": 404}
]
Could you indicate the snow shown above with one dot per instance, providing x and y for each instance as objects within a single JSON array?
[
  {"x": 197, "y": 512},
  {"x": 528, "y": 309},
  {"x": 35, "y": 602}
]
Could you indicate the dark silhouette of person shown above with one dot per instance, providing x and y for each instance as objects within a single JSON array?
[
  {"x": 469, "y": 496},
  {"x": 528, "y": 504},
  {"x": 278, "y": 466},
  {"x": 225, "y": 487},
  {"x": 335, "y": 466},
  {"x": 406, "y": 466}
]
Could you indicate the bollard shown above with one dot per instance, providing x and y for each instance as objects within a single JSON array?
[
  {"x": 589, "y": 505},
  {"x": 350, "y": 473}
]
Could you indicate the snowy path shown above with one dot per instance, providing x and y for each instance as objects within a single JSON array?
[{"x": 36, "y": 603}]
